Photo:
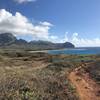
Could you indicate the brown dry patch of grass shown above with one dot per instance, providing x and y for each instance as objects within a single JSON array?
[{"x": 33, "y": 77}]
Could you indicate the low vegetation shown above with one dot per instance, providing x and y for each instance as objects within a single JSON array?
[{"x": 40, "y": 76}]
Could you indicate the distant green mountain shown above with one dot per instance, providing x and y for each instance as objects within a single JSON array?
[{"x": 7, "y": 40}]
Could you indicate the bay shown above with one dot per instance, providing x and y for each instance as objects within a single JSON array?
[{"x": 81, "y": 50}]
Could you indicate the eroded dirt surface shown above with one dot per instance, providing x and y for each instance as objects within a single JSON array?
[{"x": 85, "y": 86}]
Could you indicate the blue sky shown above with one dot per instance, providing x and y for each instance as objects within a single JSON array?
[{"x": 76, "y": 21}]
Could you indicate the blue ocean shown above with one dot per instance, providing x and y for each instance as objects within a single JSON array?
[{"x": 87, "y": 51}]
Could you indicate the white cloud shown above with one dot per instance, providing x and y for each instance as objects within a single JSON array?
[
  {"x": 23, "y": 1},
  {"x": 46, "y": 24},
  {"x": 20, "y": 25},
  {"x": 53, "y": 37},
  {"x": 84, "y": 42},
  {"x": 65, "y": 37},
  {"x": 79, "y": 41}
]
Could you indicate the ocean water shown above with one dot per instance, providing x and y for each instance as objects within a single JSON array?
[{"x": 89, "y": 51}]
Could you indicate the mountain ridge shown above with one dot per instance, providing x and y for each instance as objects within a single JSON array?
[{"x": 8, "y": 40}]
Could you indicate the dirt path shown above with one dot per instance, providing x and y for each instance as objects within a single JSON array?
[{"x": 85, "y": 87}]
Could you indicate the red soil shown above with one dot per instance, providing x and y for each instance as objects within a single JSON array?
[{"x": 85, "y": 86}]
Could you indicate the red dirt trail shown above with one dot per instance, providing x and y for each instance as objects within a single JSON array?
[{"x": 86, "y": 88}]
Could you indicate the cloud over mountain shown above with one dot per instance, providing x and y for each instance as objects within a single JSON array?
[
  {"x": 20, "y": 25},
  {"x": 85, "y": 42},
  {"x": 82, "y": 42}
]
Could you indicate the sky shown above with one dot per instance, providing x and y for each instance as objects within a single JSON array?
[{"x": 76, "y": 21}]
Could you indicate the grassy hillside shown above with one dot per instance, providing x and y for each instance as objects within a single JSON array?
[{"x": 39, "y": 76}]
